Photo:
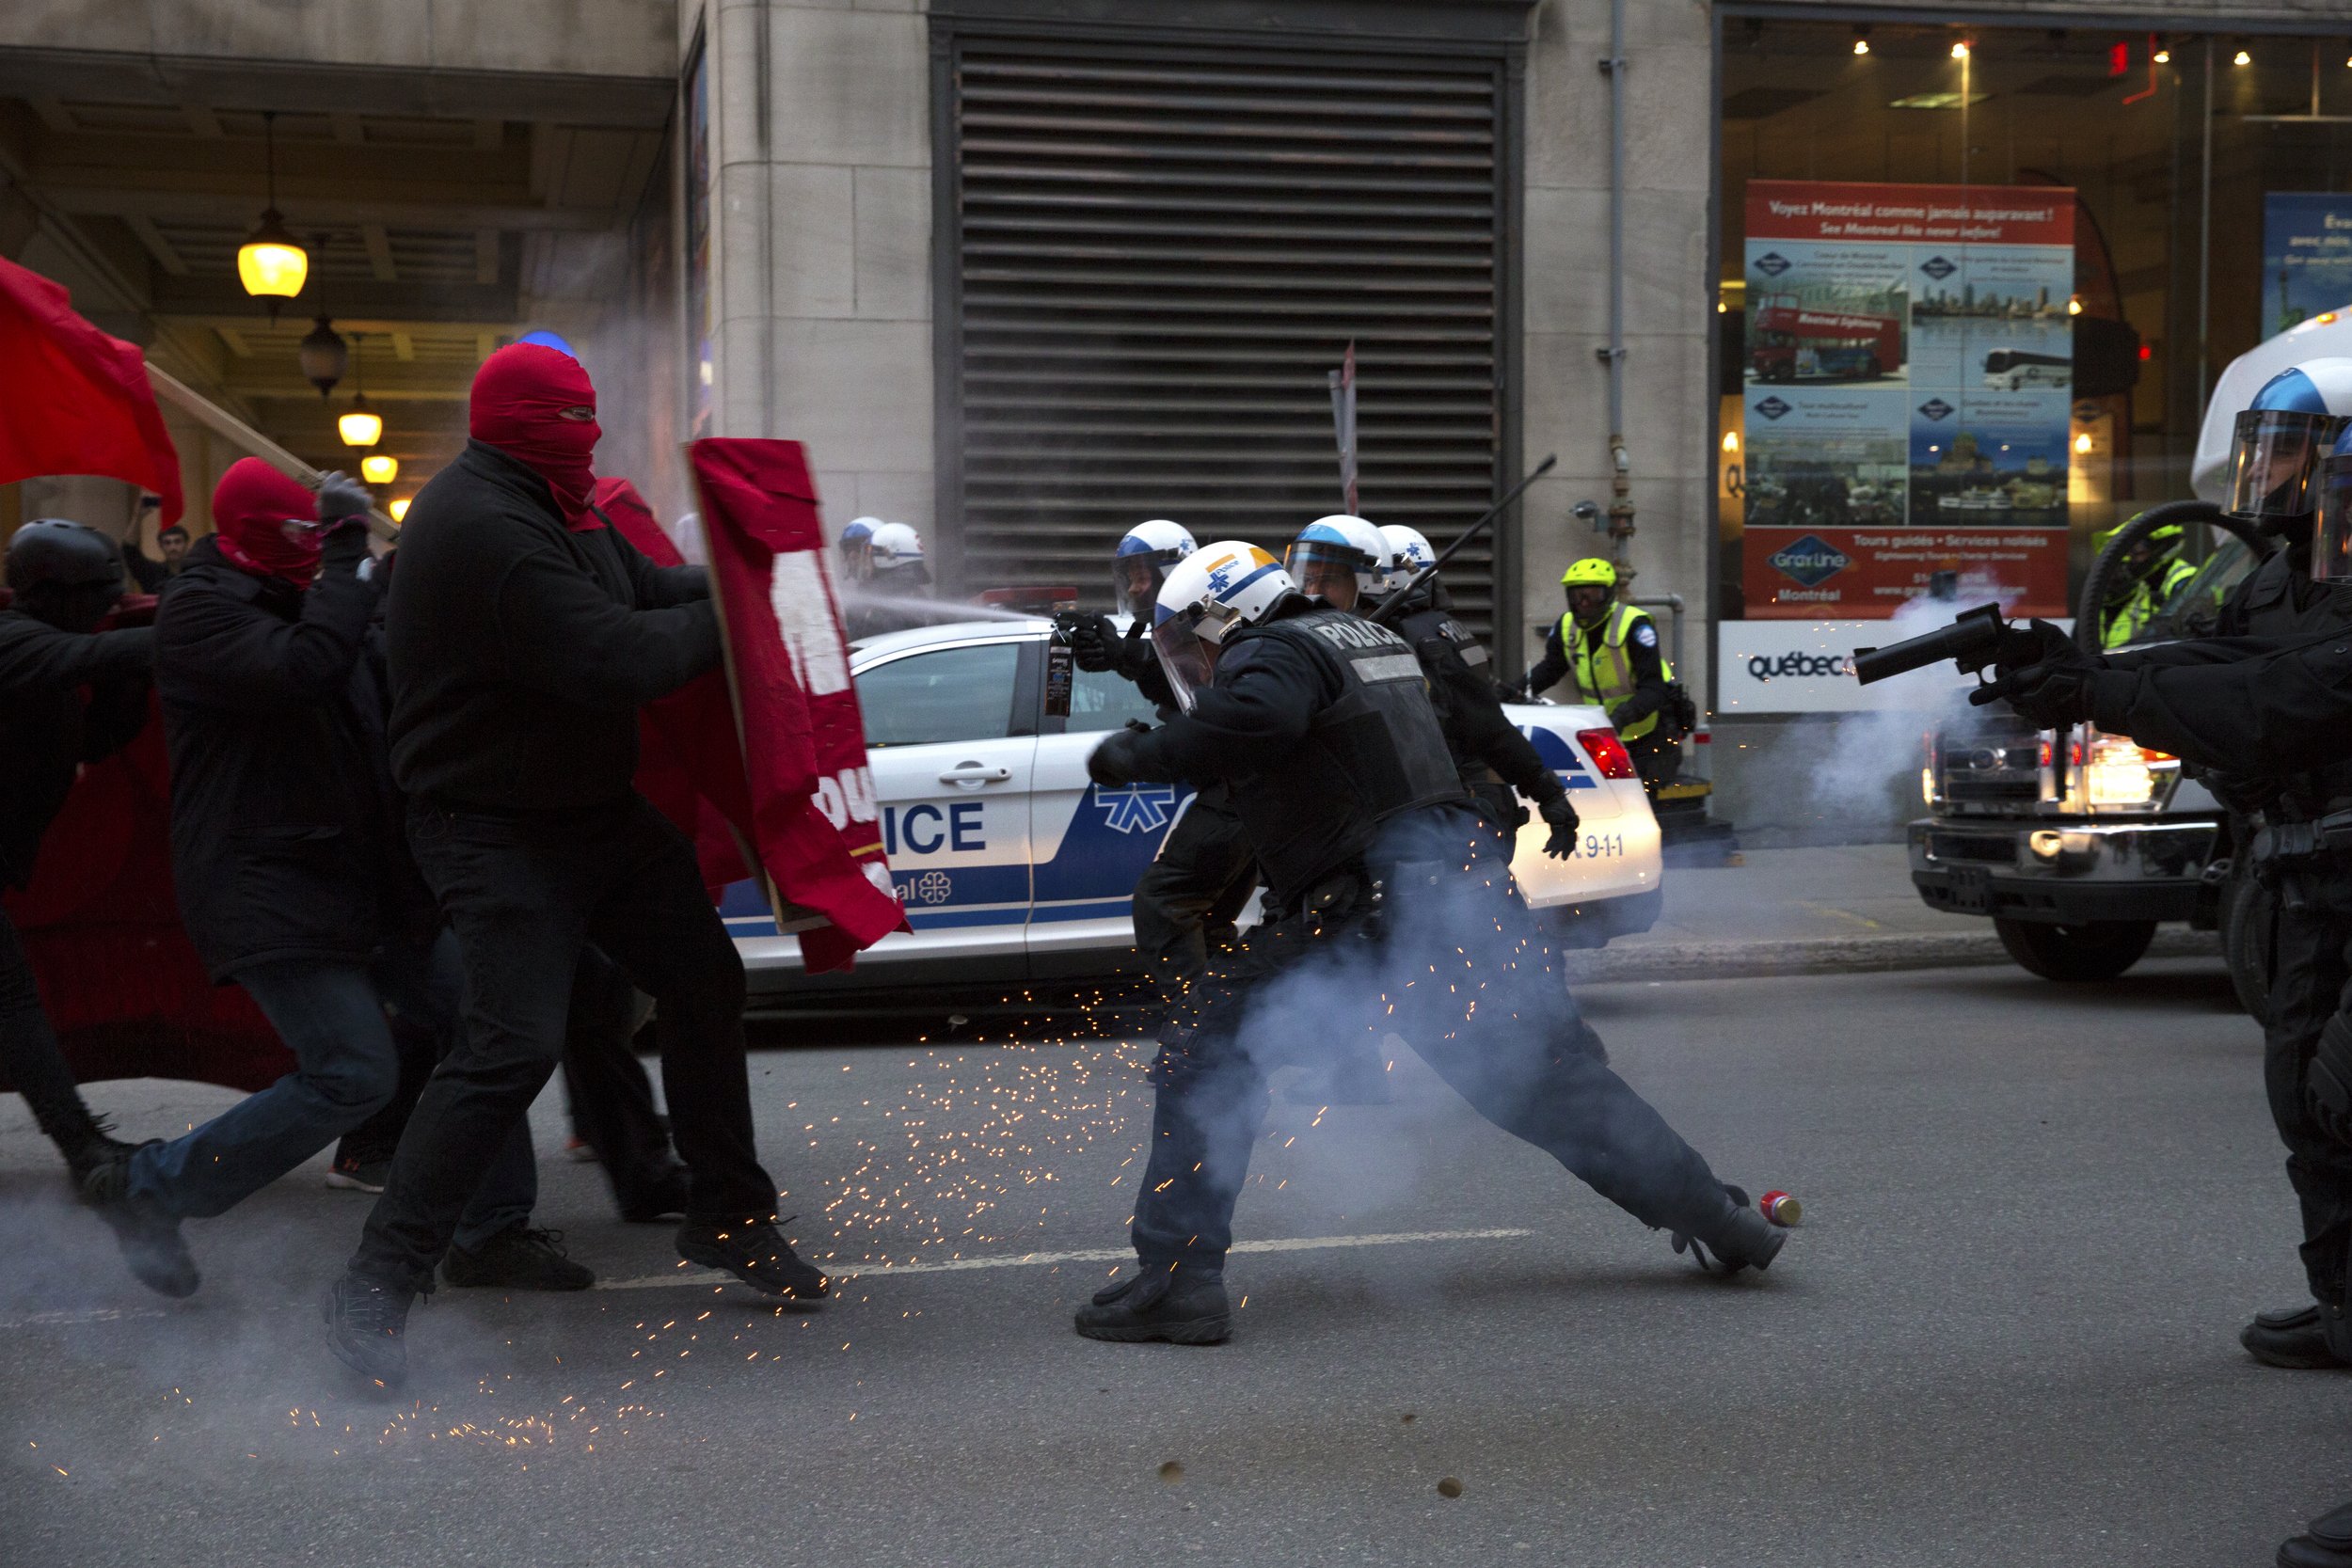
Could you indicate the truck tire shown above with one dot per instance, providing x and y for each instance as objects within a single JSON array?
[
  {"x": 2248, "y": 916},
  {"x": 2097, "y": 950}
]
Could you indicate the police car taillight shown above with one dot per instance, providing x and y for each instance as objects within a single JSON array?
[{"x": 1608, "y": 752}]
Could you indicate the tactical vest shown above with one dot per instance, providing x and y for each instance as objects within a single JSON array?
[
  {"x": 2280, "y": 600},
  {"x": 1371, "y": 754},
  {"x": 1432, "y": 632},
  {"x": 2127, "y": 620},
  {"x": 1604, "y": 674}
]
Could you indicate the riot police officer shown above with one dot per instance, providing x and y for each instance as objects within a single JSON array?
[
  {"x": 884, "y": 594},
  {"x": 1380, "y": 885},
  {"x": 1188, "y": 898},
  {"x": 1497, "y": 763},
  {"x": 1610, "y": 649}
]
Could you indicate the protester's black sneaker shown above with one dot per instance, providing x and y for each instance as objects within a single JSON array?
[
  {"x": 367, "y": 1322},
  {"x": 517, "y": 1259},
  {"x": 149, "y": 1238},
  {"x": 2326, "y": 1543},
  {"x": 347, "y": 1174},
  {"x": 2293, "y": 1336},
  {"x": 1741, "y": 1239},
  {"x": 91, "y": 1148},
  {"x": 1182, "y": 1305},
  {"x": 755, "y": 1253},
  {"x": 664, "y": 1198}
]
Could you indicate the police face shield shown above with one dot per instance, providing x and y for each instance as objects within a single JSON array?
[
  {"x": 2331, "y": 545},
  {"x": 1324, "y": 571},
  {"x": 1135, "y": 583},
  {"x": 857, "y": 559},
  {"x": 2274, "y": 463},
  {"x": 1186, "y": 658}
]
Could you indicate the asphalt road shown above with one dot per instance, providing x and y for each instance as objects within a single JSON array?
[{"x": 2036, "y": 1217}]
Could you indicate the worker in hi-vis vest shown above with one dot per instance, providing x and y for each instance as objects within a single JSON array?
[{"x": 1611, "y": 651}]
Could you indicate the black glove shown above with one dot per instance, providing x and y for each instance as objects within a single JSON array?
[
  {"x": 1136, "y": 657},
  {"x": 1119, "y": 760},
  {"x": 1094, "y": 642},
  {"x": 1515, "y": 692},
  {"x": 342, "y": 499},
  {"x": 2051, "y": 687},
  {"x": 1562, "y": 816},
  {"x": 2243, "y": 793}
]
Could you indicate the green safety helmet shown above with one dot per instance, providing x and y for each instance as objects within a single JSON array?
[{"x": 1590, "y": 572}]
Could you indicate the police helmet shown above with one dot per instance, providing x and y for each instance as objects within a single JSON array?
[
  {"x": 1408, "y": 554},
  {"x": 856, "y": 548},
  {"x": 1340, "y": 559},
  {"x": 1209, "y": 595},
  {"x": 1593, "y": 571},
  {"x": 1140, "y": 564},
  {"x": 2281, "y": 438}
]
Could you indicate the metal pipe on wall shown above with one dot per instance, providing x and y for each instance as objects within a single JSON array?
[{"x": 1620, "y": 462}]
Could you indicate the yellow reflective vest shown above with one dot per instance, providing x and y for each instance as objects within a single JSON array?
[
  {"x": 1603, "y": 670},
  {"x": 2126, "y": 621}
]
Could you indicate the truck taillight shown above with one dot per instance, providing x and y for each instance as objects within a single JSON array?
[{"x": 1608, "y": 752}]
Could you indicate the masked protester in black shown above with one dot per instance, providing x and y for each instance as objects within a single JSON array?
[
  {"x": 1189, "y": 898},
  {"x": 69, "y": 694},
  {"x": 1378, "y": 873}
]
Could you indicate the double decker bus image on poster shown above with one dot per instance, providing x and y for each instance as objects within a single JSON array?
[{"x": 1790, "y": 340}]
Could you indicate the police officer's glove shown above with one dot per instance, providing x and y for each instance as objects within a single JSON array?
[
  {"x": 342, "y": 499},
  {"x": 1135, "y": 657},
  {"x": 2328, "y": 1082},
  {"x": 2243, "y": 793},
  {"x": 1094, "y": 644},
  {"x": 1119, "y": 760},
  {"x": 2052, "y": 691},
  {"x": 1562, "y": 816}
]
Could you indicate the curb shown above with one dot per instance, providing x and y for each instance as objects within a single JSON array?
[{"x": 1724, "y": 961}]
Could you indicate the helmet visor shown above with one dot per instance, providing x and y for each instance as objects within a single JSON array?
[
  {"x": 857, "y": 559},
  {"x": 1187, "y": 660},
  {"x": 1135, "y": 583},
  {"x": 2274, "y": 462},
  {"x": 1329, "y": 572},
  {"x": 2332, "y": 545}
]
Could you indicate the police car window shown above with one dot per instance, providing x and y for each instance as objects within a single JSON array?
[
  {"x": 1099, "y": 700},
  {"x": 946, "y": 694}
]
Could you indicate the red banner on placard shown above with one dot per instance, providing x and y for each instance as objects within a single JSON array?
[
  {"x": 1909, "y": 215},
  {"x": 1850, "y": 573},
  {"x": 813, "y": 819}
]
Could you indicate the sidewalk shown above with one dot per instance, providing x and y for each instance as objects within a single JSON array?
[{"x": 1822, "y": 910}]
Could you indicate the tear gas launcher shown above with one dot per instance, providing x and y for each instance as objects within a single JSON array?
[{"x": 1977, "y": 638}]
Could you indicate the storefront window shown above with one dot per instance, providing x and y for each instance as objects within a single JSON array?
[{"x": 1977, "y": 283}]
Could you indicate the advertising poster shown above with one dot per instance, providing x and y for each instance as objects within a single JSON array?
[
  {"x": 1908, "y": 396},
  {"x": 2307, "y": 257}
]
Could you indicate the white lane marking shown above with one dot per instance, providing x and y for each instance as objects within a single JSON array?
[
  {"x": 86, "y": 1315},
  {"x": 1090, "y": 1255}
]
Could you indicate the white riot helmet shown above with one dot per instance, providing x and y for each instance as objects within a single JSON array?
[
  {"x": 1140, "y": 564},
  {"x": 856, "y": 546},
  {"x": 1330, "y": 551},
  {"x": 2280, "y": 437},
  {"x": 1208, "y": 595},
  {"x": 898, "y": 553},
  {"x": 1408, "y": 553}
]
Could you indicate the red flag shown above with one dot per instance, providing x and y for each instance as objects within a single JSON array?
[
  {"x": 814, "y": 821},
  {"x": 72, "y": 400}
]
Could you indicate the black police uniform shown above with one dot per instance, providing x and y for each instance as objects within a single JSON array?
[
  {"x": 1496, "y": 762},
  {"x": 1188, "y": 898},
  {"x": 1387, "y": 903}
]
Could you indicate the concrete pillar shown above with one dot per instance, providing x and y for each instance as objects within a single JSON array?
[{"x": 821, "y": 241}]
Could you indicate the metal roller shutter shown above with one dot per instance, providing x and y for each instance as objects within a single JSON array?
[{"x": 1158, "y": 252}]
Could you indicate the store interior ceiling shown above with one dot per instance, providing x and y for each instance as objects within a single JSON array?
[{"x": 431, "y": 237}]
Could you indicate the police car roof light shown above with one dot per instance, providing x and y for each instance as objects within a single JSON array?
[{"x": 1030, "y": 601}]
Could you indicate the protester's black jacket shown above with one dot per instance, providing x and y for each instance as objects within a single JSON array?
[
  {"x": 286, "y": 837},
  {"x": 66, "y": 698},
  {"x": 520, "y": 650}
]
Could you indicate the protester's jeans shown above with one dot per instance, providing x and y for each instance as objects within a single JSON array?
[
  {"x": 331, "y": 1014},
  {"x": 524, "y": 892},
  {"x": 29, "y": 1054}
]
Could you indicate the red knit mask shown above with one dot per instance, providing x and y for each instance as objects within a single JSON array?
[
  {"x": 518, "y": 396},
  {"x": 251, "y": 507}
]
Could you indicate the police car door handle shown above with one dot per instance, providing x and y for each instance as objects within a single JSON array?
[{"x": 975, "y": 773}]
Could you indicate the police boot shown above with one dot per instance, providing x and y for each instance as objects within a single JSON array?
[
  {"x": 1183, "y": 1305},
  {"x": 2326, "y": 1543},
  {"x": 2301, "y": 1338},
  {"x": 1741, "y": 1239}
]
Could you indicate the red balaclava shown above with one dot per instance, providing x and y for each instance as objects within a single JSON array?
[
  {"x": 516, "y": 395},
  {"x": 251, "y": 507}
]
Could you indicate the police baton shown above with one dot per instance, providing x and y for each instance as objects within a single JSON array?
[{"x": 1396, "y": 601}]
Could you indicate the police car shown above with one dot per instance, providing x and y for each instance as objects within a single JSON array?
[{"x": 1014, "y": 868}]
